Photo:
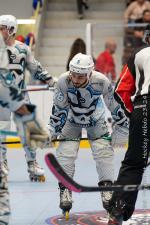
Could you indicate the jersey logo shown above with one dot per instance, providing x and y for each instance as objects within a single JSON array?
[
  {"x": 13, "y": 56},
  {"x": 4, "y": 104},
  {"x": 15, "y": 95}
]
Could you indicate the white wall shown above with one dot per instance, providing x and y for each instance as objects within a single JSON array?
[{"x": 18, "y": 8}]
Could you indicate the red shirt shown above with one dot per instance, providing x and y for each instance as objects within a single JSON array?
[{"x": 106, "y": 65}]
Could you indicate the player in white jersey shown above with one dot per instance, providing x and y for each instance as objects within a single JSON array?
[
  {"x": 30, "y": 128},
  {"x": 78, "y": 104},
  {"x": 20, "y": 59}
]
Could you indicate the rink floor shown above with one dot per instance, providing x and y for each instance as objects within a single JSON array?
[{"x": 36, "y": 203}]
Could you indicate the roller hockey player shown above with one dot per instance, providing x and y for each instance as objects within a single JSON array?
[
  {"x": 78, "y": 104},
  {"x": 20, "y": 59},
  {"x": 29, "y": 126}
]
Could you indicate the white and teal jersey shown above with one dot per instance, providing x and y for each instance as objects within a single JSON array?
[
  {"x": 20, "y": 58},
  {"x": 82, "y": 106}
]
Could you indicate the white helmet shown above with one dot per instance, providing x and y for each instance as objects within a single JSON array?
[
  {"x": 10, "y": 22},
  {"x": 82, "y": 64}
]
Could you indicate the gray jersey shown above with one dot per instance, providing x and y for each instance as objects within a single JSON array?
[{"x": 82, "y": 106}]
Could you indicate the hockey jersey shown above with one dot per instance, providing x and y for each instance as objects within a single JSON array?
[{"x": 82, "y": 106}]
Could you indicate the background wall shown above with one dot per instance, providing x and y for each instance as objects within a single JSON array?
[{"x": 22, "y": 9}]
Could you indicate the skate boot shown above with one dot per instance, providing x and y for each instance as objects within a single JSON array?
[
  {"x": 4, "y": 168},
  {"x": 36, "y": 173},
  {"x": 4, "y": 197},
  {"x": 115, "y": 220},
  {"x": 106, "y": 195},
  {"x": 4, "y": 203},
  {"x": 116, "y": 212},
  {"x": 65, "y": 200}
]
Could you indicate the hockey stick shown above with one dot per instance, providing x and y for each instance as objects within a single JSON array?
[
  {"x": 67, "y": 181},
  {"x": 54, "y": 140},
  {"x": 42, "y": 88}
]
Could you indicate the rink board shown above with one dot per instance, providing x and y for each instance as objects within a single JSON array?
[{"x": 93, "y": 218}]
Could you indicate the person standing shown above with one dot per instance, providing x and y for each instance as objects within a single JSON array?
[
  {"x": 78, "y": 104},
  {"x": 29, "y": 126},
  {"x": 133, "y": 93},
  {"x": 105, "y": 62},
  {"x": 20, "y": 58},
  {"x": 77, "y": 46},
  {"x": 80, "y": 5}
]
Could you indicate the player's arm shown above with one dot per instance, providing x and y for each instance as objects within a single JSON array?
[
  {"x": 125, "y": 87},
  {"x": 60, "y": 108},
  {"x": 120, "y": 121},
  {"x": 37, "y": 71}
]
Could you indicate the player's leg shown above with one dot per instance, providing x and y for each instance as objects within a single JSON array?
[
  {"x": 5, "y": 124},
  {"x": 36, "y": 172},
  {"x": 66, "y": 155},
  {"x": 103, "y": 155},
  {"x": 4, "y": 196},
  {"x": 134, "y": 163}
]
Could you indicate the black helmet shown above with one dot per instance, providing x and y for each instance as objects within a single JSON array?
[{"x": 146, "y": 33}]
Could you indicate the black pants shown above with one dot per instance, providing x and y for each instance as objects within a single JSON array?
[
  {"x": 136, "y": 157},
  {"x": 80, "y": 6}
]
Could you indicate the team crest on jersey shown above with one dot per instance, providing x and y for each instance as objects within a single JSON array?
[
  {"x": 13, "y": 56},
  {"x": 59, "y": 95}
]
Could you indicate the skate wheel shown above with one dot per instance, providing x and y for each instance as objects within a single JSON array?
[
  {"x": 42, "y": 179},
  {"x": 66, "y": 214},
  {"x": 31, "y": 178}
]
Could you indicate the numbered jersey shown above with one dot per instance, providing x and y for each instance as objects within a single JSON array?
[{"x": 82, "y": 106}]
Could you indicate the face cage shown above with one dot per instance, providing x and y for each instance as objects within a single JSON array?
[{"x": 85, "y": 74}]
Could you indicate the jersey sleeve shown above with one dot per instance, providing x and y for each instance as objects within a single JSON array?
[
  {"x": 60, "y": 108},
  {"x": 35, "y": 68},
  {"x": 114, "y": 107},
  {"x": 125, "y": 87}
]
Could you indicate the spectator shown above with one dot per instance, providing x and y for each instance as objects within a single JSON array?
[
  {"x": 135, "y": 10},
  {"x": 135, "y": 40},
  {"x": 20, "y": 38},
  {"x": 78, "y": 46},
  {"x": 80, "y": 5},
  {"x": 139, "y": 31},
  {"x": 128, "y": 2},
  {"x": 105, "y": 62}
]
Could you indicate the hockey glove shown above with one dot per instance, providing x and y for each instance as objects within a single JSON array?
[
  {"x": 31, "y": 130},
  {"x": 120, "y": 132}
]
